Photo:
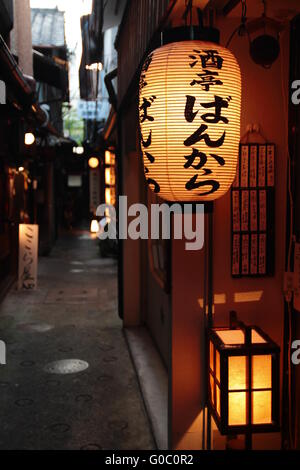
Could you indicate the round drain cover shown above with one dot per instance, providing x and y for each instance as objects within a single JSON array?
[
  {"x": 110, "y": 359},
  {"x": 24, "y": 402},
  {"x": 66, "y": 366},
  {"x": 83, "y": 398},
  {"x": 60, "y": 428},
  {"x": 122, "y": 425},
  {"x": 38, "y": 327},
  {"x": 106, "y": 347},
  {"x": 27, "y": 363},
  {"x": 105, "y": 377},
  {"x": 91, "y": 447},
  {"x": 4, "y": 384}
]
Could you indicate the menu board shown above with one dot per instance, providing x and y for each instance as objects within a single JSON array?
[{"x": 253, "y": 211}]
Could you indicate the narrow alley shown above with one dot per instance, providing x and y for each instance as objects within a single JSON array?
[{"x": 69, "y": 382}]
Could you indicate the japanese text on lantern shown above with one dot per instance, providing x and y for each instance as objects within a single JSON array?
[
  {"x": 210, "y": 63},
  {"x": 145, "y": 115}
]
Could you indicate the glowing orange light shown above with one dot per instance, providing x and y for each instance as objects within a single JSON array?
[
  {"x": 94, "y": 226},
  {"x": 93, "y": 163},
  {"x": 109, "y": 176},
  {"x": 109, "y": 157},
  {"x": 110, "y": 196},
  {"x": 190, "y": 143},
  {"x": 29, "y": 138}
]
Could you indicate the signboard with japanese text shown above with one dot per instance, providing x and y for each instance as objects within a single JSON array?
[
  {"x": 253, "y": 211},
  {"x": 28, "y": 256}
]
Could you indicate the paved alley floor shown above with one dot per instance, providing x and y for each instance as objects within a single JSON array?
[{"x": 69, "y": 382}]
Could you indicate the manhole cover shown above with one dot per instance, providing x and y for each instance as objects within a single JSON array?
[
  {"x": 27, "y": 363},
  {"x": 66, "y": 366},
  {"x": 91, "y": 447},
  {"x": 51, "y": 383},
  {"x": 65, "y": 350},
  {"x": 72, "y": 295},
  {"x": 24, "y": 402},
  {"x": 106, "y": 347},
  {"x": 15, "y": 352},
  {"x": 110, "y": 359},
  {"x": 83, "y": 398},
  {"x": 105, "y": 377},
  {"x": 4, "y": 384},
  {"x": 60, "y": 428},
  {"x": 118, "y": 425},
  {"x": 38, "y": 327}
]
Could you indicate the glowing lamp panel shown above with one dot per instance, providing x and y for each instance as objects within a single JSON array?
[
  {"x": 110, "y": 178},
  {"x": 94, "y": 226},
  {"x": 109, "y": 158},
  {"x": 110, "y": 196}
]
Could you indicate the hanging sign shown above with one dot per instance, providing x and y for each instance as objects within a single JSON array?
[
  {"x": 28, "y": 256},
  {"x": 253, "y": 211},
  {"x": 94, "y": 189}
]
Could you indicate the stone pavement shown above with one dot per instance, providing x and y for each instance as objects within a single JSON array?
[{"x": 69, "y": 382}]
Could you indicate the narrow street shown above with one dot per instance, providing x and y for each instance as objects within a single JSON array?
[{"x": 69, "y": 382}]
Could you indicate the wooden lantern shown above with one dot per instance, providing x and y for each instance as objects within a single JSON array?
[{"x": 243, "y": 380}]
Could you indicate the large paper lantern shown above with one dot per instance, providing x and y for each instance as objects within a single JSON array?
[{"x": 189, "y": 112}]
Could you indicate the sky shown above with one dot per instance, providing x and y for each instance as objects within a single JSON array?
[{"x": 73, "y": 9}]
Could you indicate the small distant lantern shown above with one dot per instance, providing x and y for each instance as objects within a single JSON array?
[
  {"x": 110, "y": 176},
  {"x": 109, "y": 158},
  {"x": 94, "y": 226},
  {"x": 110, "y": 196},
  {"x": 189, "y": 113},
  {"x": 29, "y": 138},
  {"x": 243, "y": 379},
  {"x": 78, "y": 150},
  {"x": 93, "y": 163},
  {"x": 95, "y": 67}
]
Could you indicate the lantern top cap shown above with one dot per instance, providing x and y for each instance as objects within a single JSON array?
[
  {"x": 228, "y": 338},
  {"x": 187, "y": 33},
  {"x": 237, "y": 336}
]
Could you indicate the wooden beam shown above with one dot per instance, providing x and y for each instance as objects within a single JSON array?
[{"x": 229, "y": 6}]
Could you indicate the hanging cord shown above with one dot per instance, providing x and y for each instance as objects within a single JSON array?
[
  {"x": 241, "y": 29},
  {"x": 188, "y": 12},
  {"x": 264, "y": 15},
  {"x": 291, "y": 202}
]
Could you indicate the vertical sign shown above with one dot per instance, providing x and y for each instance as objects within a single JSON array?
[
  {"x": 94, "y": 189},
  {"x": 252, "y": 211},
  {"x": 236, "y": 254},
  {"x": 28, "y": 256}
]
